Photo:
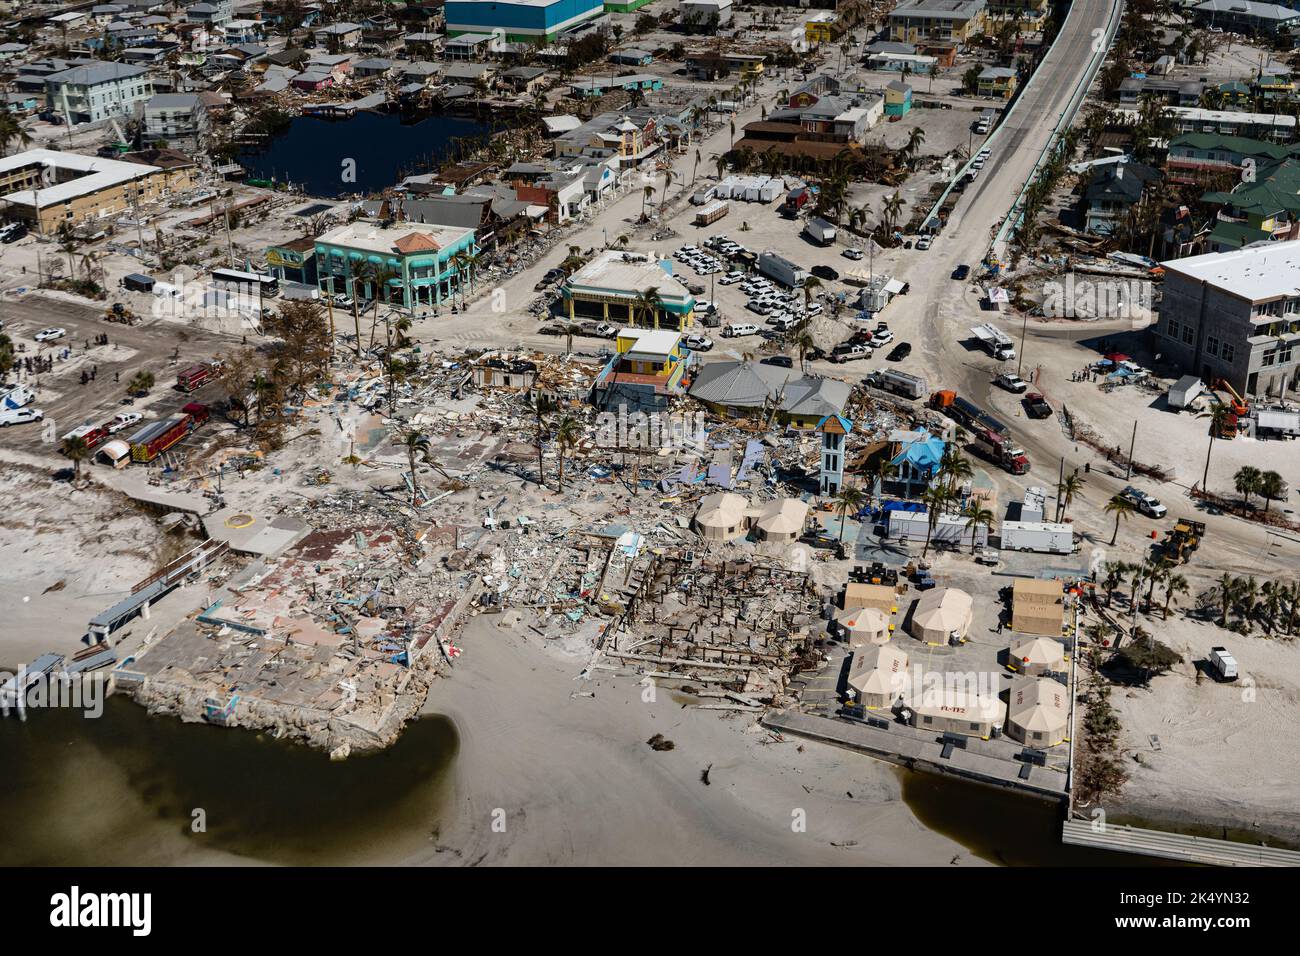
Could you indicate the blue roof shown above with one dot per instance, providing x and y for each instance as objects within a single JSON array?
[{"x": 923, "y": 453}]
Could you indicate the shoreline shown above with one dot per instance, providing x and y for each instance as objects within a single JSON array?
[{"x": 552, "y": 770}]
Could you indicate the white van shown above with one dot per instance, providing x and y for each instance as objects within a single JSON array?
[{"x": 736, "y": 330}]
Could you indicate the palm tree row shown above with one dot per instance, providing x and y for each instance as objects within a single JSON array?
[
  {"x": 1273, "y": 605},
  {"x": 1151, "y": 574}
]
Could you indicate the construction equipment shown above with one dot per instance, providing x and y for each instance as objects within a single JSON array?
[
  {"x": 121, "y": 313},
  {"x": 1183, "y": 539},
  {"x": 1239, "y": 406}
]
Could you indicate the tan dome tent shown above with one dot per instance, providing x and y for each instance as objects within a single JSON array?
[
  {"x": 782, "y": 519},
  {"x": 863, "y": 626},
  {"x": 722, "y": 517},
  {"x": 1038, "y": 711},
  {"x": 956, "y": 709},
  {"x": 941, "y": 615},
  {"x": 1037, "y": 657},
  {"x": 878, "y": 675}
]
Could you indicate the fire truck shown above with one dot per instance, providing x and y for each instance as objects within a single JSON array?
[
  {"x": 196, "y": 376},
  {"x": 156, "y": 437}
]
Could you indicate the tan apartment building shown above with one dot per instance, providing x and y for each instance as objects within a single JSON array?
[
  {"x": 937, "y": 21},
  {"x": 48, "y": 188}
]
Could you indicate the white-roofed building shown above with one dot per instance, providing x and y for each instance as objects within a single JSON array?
[
  {"x": 49, "y": 188},
  {"x": 1235, "y": 316}
]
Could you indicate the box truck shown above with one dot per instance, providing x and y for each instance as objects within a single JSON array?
[
  {"x": 782, "y": 270},
  {"x": 819, "y": 231}
]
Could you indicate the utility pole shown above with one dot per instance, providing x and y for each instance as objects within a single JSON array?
[
  {"x": 1060, "y": 480},
  {"x": 1128, "y": 472},
  {"x": 1020, "y": 356}
]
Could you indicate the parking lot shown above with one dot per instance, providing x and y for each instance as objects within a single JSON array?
[{"x": 65, "y": 403}]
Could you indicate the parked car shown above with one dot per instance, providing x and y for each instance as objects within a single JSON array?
[
  {"x": 987, "y": 556},
  {"x": 854, "y": 254},
  {"x": 606, "y": 331},
  {"x": 899, "y": 352},
  {"x": 123, "y": 420},
  {"x": 825, "y": 272},
  {"x": 1148, "y": 505},
  {"x": 552, "y": 275},
  {"x": 49, "y": 335},
  {"x": 923, "y": 243},
  {"x": 1012, "y": 382},
  {"x": 12, "y": 232},
  {"x": 781, "y": 361},
  {"x": 961, "y": 273},
  {"x": 700, "y": 343},
  {"x": 881, "y": 338}
]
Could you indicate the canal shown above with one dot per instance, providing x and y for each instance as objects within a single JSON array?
[{"x": 359, "y": 155}]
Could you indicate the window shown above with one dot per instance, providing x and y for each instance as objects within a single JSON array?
[
  {"x": 1189, "y": 335},
  {"x": 927, "y": 720},
  {"x": 1229, "y": 353},
  {"x": 1270, "y": 357},
  {"x": 1212, "y": 345},
  {"x": 975, "y": 727},
  {"x": 1173, "y": 328}
]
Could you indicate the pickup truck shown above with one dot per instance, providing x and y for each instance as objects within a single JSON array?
[
  {"x": 1012, "y": 382},
  {"x": 847, "y": 352},
  {"x": 988, "y": 556},
  {"x": 1148, "y": 505},
  {"x": 1036, "y": 406}
]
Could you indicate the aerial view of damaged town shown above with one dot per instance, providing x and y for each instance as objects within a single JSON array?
[{"x": 650, "y": 432}]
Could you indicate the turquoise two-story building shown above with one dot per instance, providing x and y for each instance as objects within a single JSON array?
[{"x": 422, "y": 265}]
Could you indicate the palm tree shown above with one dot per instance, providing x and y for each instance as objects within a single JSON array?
[
  {"x": 1070, "y": 486},
  {"x": 646, "y": 306},
  {"x": 1175, "y": 584},
  {"x": 805, "y": 343},
  {"x": 1114, "y": 572},
  {"x": 540, "y": 407},
  {"x": 414, "y": 442},
  {"x": 935, "y": 500},
  {"x": 810, "y": 284},
  {"x": 1156, "y": 572},
  {"x": 1246, "y": 481},
  {"x": 663, "y": 196},
  {"x": 884, "y": 470},
  {"x": 1227, "y": 596},
  {"x": 76, "y": 450},
  {"x": 695, "y": 170},
  {"x": 1121, "y": 508},
  {"x": 11, "y": 131},
  {"x": 140, "y": 384},
  {"x": 646, "y": 195},
  {"x": 567, "y": 433},
  {"x": 1219, "y": 415},
  {"x": 1271, "y": 487},
  {"x": 956, "y": 467},
  {"x": 848, "y": 498},
  {"x": 976, "y": 515}
]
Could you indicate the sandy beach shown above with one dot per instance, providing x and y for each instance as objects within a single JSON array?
[{"x": 576, "y": 783}]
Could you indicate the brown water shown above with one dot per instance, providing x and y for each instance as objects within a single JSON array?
[{"x": 123, "y": 789}]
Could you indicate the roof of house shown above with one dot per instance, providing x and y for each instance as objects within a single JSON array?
[
  {"x": 90, "y": 74},
  {"x": 1256, "y": 274}
]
